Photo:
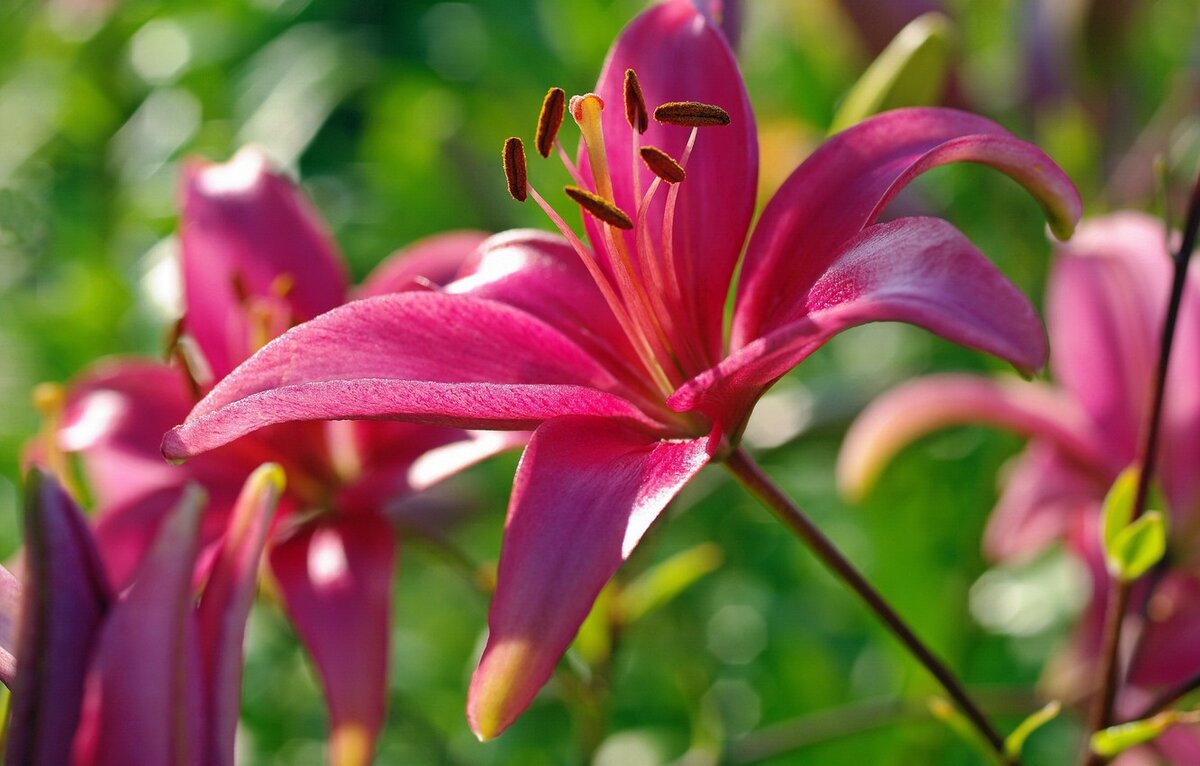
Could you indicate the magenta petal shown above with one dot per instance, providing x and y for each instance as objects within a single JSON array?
[
  {"x": 242, "y": 229},
  {"x": 847, "y": 183},
  {"x": 1105, "y": 304},
  {"x": 914, "y": 409},
  {"x": 423, "y": 357},
  {"x": 1181, "y": 434},
  {"x": 917, "y": 270},
  {"x": 225, "y": 606},
  {"x": 335, "y": 577},
  {"x": 10, "y": 625},
  {"x": 1044, "y": 492},
  {"x": 679, "y": 56},
  {"x": 542, "y": 275},
  {"x": 65, "y": 598},
  {"x": 586, "y": 491},
  {"x": 1179, "y": 744},
  {"x": 145, "y": 698},
  {"x": 125, "y": 532},
  {"x": 114, "y": 418},
  {"x": 1170, "y": 648},
  {"x": 434, "y": 260}
]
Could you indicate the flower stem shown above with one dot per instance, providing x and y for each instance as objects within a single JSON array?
[
  {"x": 760, "y": 485},
  {"x": 1102, "y": 707}
]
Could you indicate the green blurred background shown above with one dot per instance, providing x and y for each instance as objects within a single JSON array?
[{"x": 392, "y": 114}]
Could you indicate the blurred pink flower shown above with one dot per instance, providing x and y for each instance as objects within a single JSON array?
[
  {"x": 148, "y": 674},
  {"x": 617, "y": 353},
  {"x": 1105, "y": 303},
  {"x": 256, "y": 259}
]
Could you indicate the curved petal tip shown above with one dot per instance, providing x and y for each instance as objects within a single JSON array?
[
  {"x": 491, "y": 704},
  {"x": 350, "y": 744}
]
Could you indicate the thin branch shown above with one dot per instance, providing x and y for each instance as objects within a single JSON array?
[
  {"x": 760, "y": 485},
  {"x": 1102, "y": 708},
  {"x": 858, "y": 717}
]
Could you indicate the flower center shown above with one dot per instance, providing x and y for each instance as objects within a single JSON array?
[{"x": 638, "y": 276}]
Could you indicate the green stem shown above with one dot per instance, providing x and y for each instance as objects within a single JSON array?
[
  {"x": 857, "y": 718},
  {"x": 760, "y": 485}
]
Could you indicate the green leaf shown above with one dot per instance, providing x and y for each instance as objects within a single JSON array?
[
  {"x": 1138, "y": 547},
  {"x": 911, "y": 71},
  {"x": 1015, "y": 742},
  {"x": 1118, "y": 505},
  {"x": 666, "y": 580},
  {"x": 1117, "y": 739},
  {"x": 941, "y": 709},
  {"x": 593, "y": 642}
]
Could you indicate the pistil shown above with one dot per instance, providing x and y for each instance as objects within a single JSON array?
[{"x": 586, "y": 110}]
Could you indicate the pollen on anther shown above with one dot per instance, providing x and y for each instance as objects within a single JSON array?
[
  {"x": 550, "y": 119},
  {"x": 635, "y": 105},
  {"x": 514, "y": 169},
  {"x": 662, "y": 165},
  {"x": 691, "y": 114},
  {"x": 600, "y": 207}
]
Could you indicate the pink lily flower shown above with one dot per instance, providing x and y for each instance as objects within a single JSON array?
[
  {"x": 616, "y": 353},
  {"x": 1105, "y": 302},
  {"x": 255, "y": 260},
  {"x": 147, "y": 675}
]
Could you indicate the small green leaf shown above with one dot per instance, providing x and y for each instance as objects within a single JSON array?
[
  {"x": 1138, "y": 547},
  {"x": 593, "y": 642},
  {"x": 941, "y": 709},
  {"x": 911, "y": 71},
  {"x": 666, "y": 580},
  {"x": 1015, "y": 742},
  {"x": 1117, "y": 739},
  {"x": 1118, "y": 505}
]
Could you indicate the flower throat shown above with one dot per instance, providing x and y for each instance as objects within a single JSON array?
[{"x": 641, "y": 286}]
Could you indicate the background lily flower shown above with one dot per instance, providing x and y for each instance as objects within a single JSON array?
[
  {"x": 255, "y": 260},
  {"x": 617, "y": 352},
  {"x": 146, "y": 675},
  {"x": 1105, "y": 301}
]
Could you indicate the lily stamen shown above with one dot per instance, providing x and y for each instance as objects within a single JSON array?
[
  {"x": 550, "y": 119},
  {"x": 635, "y": 105},
  {"x": 661, "y": 164},
  {"x": 514, "y": 169},
  {"x": 691, "y": 114},
  {"x": 599, "y": 207}
]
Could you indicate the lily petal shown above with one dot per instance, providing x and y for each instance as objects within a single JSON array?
[
  {"x": 144, "y": 701},
  {"x": 1181, "y": 437},
  {"x": 225, "y": 606},
  {"x": 1171, "y": 641},
  {"x": 65, "y": 598},
  {"x": 586, "y": 491},
  {"x": 336, "y": 581},
  {"x": 439, "y": 463},
  {"x": 716, "y": 201},
  {"x": 114, "y": 418},
  {"x": 422, "y": 357},
  {"x": 378, "y": 456},
  {"x": 1044, "y": 492},
  {"x": 242, "y": 229},
  {"x": 541, "y": 274},
  {"x": 1105, "y": 303},
  {"x": 434, "y": 260},
  {"x": 848, "y": 182},
  {"x": 917, "y": 270},
  {"x": 10, "y": 625},
  {"x": 922, "y": 406}
]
